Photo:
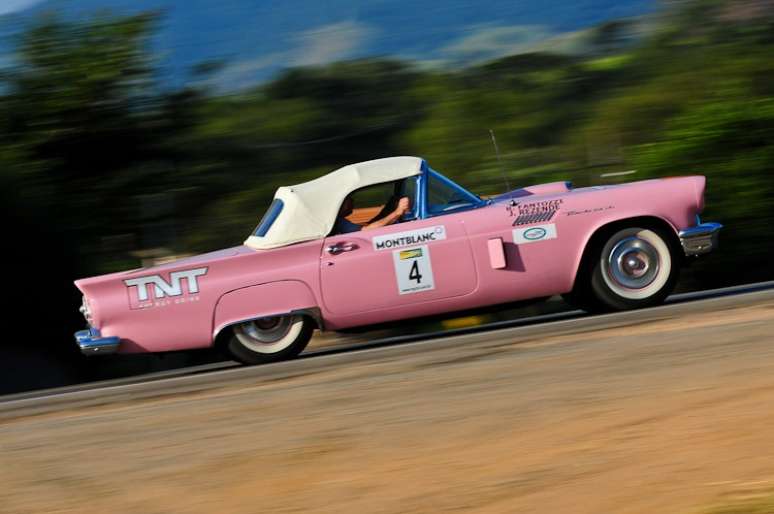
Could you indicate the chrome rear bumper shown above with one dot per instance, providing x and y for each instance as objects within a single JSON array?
[
  {"x": 91, "y": 343},
  {"x": 701, "y": 239}
]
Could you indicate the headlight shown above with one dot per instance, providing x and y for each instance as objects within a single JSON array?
[{"x": 86, "y": 311}]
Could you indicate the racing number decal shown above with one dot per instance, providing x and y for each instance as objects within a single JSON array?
[
  {"x": 413, "y": 270},
  {"x": 414, "y": 275}
]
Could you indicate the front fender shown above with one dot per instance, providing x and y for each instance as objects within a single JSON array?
[
  {"x": 608, "y": 222},
  {"x": 262, "y": 301}
]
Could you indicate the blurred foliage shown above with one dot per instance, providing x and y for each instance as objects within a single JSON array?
[{"x": 113, "y": 163}]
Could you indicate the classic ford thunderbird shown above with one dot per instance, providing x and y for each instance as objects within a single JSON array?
[{"x": 603, "y": 248}]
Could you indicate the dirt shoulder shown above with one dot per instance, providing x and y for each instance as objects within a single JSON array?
[{"x": 656, "y": 417}]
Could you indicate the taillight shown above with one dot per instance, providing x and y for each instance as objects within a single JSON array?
[{"x": 86, "y": 311}]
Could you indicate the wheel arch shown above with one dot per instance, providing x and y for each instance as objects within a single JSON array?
[
  {"x": 598, "y": 235},
  {"x": 280, "y": 298}
]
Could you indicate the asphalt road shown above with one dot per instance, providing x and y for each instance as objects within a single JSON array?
[
  {"x": 198, "y": 378},
  {"x": 663, "y": 410}
]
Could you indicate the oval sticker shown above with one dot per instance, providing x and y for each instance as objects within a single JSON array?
[{"x": 534, "y": 234}]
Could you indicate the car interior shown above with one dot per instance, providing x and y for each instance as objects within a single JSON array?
[{"x": 374, "y": 202}]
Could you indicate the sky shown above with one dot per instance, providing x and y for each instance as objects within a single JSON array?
[
  {"x": 255, "y": 39},
  {"x": 9, "y": 6}
]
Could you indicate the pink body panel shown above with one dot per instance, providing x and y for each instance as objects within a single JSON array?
[
  {"x": 364, "y": 280},
  {"x": 262, "y": 301},
  {"x": 188, "y": 321},
  {"x": 361, "y": 286}
]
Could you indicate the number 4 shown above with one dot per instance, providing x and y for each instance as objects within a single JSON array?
[{"x": 414, "y": 273}]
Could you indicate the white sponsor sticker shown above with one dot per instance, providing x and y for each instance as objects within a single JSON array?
[
  {"x": 162, "y": 288},
  {"x": 534, "y": 234},
  {"x": 413, "y": 270},
  {"x": 156, "y": 291},
  {"x": 411, "y": 238}
]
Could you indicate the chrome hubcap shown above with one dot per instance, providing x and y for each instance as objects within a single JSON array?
[
  {"x": 633, "y": 263},
  {"x": 266, "y": 330}
]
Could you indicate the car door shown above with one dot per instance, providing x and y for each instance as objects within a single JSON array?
[{"x": 398, "y": 265}]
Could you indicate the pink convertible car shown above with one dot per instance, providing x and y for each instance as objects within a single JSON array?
[{"x": 602, "y": 248}]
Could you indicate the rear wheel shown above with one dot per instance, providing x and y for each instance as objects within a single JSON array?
[
  {"x": 270, "y": 339},
  {"x": 632, "y": 268}
]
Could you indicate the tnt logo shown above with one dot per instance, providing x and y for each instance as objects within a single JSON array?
[{"x": 162, "y": 288}]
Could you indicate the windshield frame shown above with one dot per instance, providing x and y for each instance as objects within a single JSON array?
[{"x": 424, "y": 185}]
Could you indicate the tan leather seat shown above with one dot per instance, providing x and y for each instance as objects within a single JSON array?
[{"x": 363, "y": 215}]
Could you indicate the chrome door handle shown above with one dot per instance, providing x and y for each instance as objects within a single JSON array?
[{"x": 341, "y": 248}]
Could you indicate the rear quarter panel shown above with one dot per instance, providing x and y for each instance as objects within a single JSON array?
[
  {"x": 187, "y": 321},
  {"x": 262, "y": 300}
]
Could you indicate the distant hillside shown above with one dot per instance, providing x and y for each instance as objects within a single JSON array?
[{"x": 256, "y": 38}]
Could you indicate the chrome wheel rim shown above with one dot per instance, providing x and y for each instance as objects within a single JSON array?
[
  {"x": 633, "y": 263},
  {"x": 265, "y": 331}
]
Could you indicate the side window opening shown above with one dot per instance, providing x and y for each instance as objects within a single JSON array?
[
  {"x": 374, "y": 202},
  {"x": 408, "y": 187}
]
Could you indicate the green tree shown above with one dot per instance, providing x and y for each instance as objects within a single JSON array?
[{"x": 88, "y": 125}]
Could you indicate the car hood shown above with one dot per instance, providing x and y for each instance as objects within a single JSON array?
[
  {"x": 565, "y": 187},
  {"x": 549, "y": 188}
]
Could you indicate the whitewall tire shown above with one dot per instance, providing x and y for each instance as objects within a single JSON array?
[
  {"x": 270, "y": 339},
  {"x": 633, "y": 267}
]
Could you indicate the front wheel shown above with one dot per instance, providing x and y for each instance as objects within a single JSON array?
[
  {"x": 634, "y": 267},
  {"x": 270, "y": 339}
]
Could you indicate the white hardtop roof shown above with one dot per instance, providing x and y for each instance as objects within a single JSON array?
[{"x": 309, "y": 210}]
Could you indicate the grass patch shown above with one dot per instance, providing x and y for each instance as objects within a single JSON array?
[
  {"x": 758, "y": 504},
  {"x": 609, "y": 63}
]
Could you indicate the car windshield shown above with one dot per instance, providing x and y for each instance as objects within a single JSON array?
[{"x": 444, "y": 196}]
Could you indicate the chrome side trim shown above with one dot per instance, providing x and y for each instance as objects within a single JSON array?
[
  {"x": 701, "y": 239},
  {"x": 91, "y": 343}
]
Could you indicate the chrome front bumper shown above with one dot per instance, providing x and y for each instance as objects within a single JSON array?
[
  {"x": 701, "y": 239},
  {"x": 91, "y": 343}
]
